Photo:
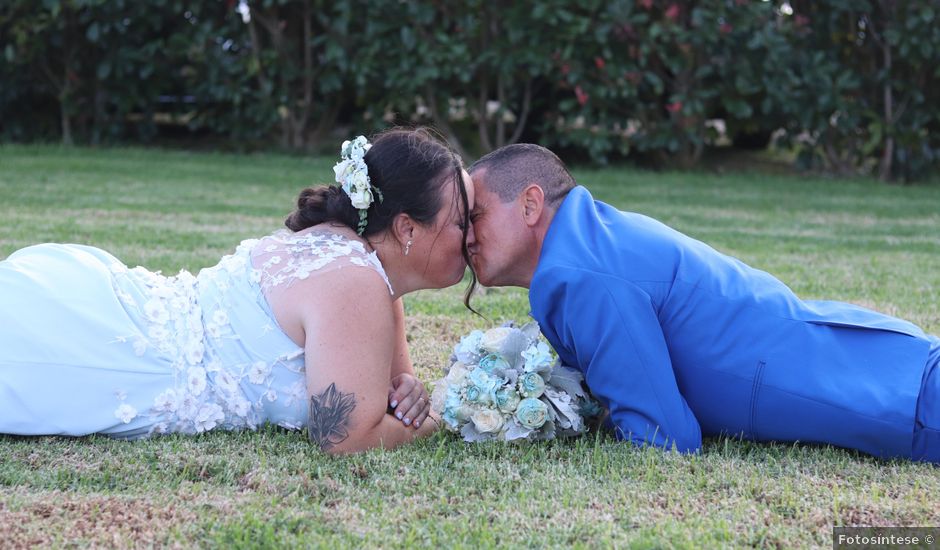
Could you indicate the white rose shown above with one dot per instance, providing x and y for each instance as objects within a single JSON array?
[
  {"x": 342, "y": 169},
  {"x": 458, "y": 371},
  {"x": 493, "y": 339},
  {"x": 487, "y": 420},
  {"x": 359, "y": 148},
  {"x": 438, "y": 397},
  {"x": 360, "y": 177},
  {"x": 469, "y": 347},
  {"x": 361, "y": 197}
]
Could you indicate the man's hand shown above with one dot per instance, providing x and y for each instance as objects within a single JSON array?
[{"x": 408, "y": 400}]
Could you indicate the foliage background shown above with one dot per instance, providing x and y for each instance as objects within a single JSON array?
[{"x": 852, "y": 85}]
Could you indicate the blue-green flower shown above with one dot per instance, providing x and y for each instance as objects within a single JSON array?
[
  {"x": 452, "y": 409},
  {"x": 532, "y": 413},
  {"x": 531, "y": 384},
  {"x": 589, "y": 407},
  {"x": 473, "y": 393},
  {"x": 493, "y": 361},
  {"x": 537, "y": 356},
  {"x": 507, "y": 399},
  {"x": 468, "y": 350},
  {"x": 485, "y": 381}
]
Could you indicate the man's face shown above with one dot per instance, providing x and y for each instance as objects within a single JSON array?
[{"x": 501, "y": 236}]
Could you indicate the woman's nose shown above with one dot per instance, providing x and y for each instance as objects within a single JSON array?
[{"x": 471, "y": 236}]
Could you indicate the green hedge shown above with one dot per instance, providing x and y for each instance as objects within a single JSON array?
[{"x": 851, "y": 83}]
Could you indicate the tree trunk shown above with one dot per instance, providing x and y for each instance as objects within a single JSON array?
[
  {"x": 887, "y": 157},
  {"x": 524, "y": 114},
  {"x": 303, "y": 118},
  {"x": 66, "y": 128},
  {"x": 442, "y": 124},
  {"x": 500, "y": 122},
  {"x": 482, "y": 125}
]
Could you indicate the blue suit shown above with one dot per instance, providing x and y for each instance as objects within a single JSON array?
[{"x": 678, "y": 341}]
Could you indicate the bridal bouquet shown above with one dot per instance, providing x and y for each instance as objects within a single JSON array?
[{"x": 505, "y": 384}]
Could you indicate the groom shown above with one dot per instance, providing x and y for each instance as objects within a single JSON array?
[{"x": 678, "y": 340}]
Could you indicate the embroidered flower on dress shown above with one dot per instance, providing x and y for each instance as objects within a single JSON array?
[
  {"x": 259, "y": 371},
  {"x": 166, "y": 401},
  {"x": 125, "y": 413},
  {"x": 196, "y": 380},
  {"x": 194, "y": 351},
  {"x": 208, "y": 417},
  {"x": 240, "y": 407},
  {"x": 220, "y": 317},
  {"x": 225, "y": 382},
  {"x": 156, "y": 311},
  {"x": 178, "y": 330}
]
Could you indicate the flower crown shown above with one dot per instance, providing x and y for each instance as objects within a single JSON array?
[{"x": 353, "y": 175}]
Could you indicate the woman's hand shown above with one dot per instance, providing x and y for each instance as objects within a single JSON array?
[{"x": 408, "y": 400}]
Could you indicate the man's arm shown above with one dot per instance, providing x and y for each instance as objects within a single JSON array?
[{"x": 611, "y": 329}]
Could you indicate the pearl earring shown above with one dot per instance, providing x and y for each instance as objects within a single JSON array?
[{"x": 407, "y": 247}]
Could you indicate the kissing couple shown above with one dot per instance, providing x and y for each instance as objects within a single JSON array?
[{"x": 305, "y": 327}]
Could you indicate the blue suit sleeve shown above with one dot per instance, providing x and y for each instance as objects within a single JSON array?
[{"x": 611, "y": 328}]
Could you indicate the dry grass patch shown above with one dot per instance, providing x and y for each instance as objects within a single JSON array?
[{"x": 57, "y": 519}]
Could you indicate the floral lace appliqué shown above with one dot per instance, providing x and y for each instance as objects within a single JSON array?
[{"x": 285, "y": 257}]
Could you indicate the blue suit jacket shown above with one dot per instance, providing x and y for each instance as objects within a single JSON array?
[{"x": 679, "y": 340}]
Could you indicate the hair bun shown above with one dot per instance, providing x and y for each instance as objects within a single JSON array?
[{"x": 316, "y": 205}]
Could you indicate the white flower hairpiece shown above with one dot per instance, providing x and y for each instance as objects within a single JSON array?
[{"x": 353, "y": 175}]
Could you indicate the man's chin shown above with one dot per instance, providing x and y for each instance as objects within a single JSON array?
[{"x": 483, "y": 278}]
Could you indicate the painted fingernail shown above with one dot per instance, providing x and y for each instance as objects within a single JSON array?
[
  {"x": 407, "y": 422},
  {"x": 398, "y": 414},
  {"x": 394, "y": 403},
  {"x": 417, "y": 424}
]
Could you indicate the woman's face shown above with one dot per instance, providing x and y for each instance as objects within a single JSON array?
[{"x": 440, "y": 245}]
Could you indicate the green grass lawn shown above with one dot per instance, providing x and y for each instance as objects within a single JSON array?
[{"x": 859, "y": 241}]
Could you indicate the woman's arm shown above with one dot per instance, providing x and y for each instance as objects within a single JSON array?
[
  {"x": 351, "y": 342},
  {"x": 408, "y": 399},
  {"x": 401, "y": 359}
]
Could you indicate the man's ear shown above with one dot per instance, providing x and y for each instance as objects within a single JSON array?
[
  {"x": 533, "y": 202},
  {"x": 403, "y": 228}
]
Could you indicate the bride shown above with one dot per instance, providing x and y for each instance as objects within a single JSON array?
[{"x": 301, "y": 328}]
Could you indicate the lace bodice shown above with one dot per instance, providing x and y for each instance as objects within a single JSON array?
[
  {"x": 284, "y": 257},
  {"x": 233, "y": 367}
]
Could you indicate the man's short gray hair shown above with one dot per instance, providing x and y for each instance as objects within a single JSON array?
[{"x": 510, "y": 169}]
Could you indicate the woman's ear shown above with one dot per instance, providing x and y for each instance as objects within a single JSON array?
[
  {"x": 403, "y": 228},
  {"x": 533, "y": 203}
]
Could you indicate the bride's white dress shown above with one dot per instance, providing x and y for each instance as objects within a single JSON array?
[{"x": 90, "y": 346}]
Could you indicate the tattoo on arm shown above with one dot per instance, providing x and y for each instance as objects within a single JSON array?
[{"x": 329, "y": 417}]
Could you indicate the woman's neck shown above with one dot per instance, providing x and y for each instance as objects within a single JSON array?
[{"x": 398, "y": 269}]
